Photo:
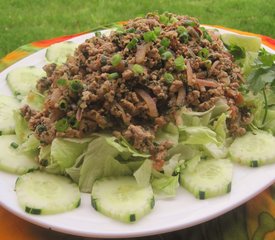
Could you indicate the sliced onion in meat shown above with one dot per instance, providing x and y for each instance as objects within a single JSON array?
[
  {"x": 206, "y": 83},
  {"x": 152, "y": 107},
  {"x": 181, "y": 97},
  {"x": 123, "y": 114},
  {"x": 141, "y": 52},
  {"x": 190, "y": 75}
]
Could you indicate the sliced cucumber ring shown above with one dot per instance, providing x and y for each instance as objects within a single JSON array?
[
  {"x": 253, "y": 149},
  {"x": 43, "y": 193},
  {"x": 210, "y": 178},
  {"x": 122, "y": 198}
]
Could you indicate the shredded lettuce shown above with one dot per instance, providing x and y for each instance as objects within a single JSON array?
[
  {"x": 100, "y": 161},
  {"x": 169, "y": 132},
  {"x": 143, "y": 174},
  {"x": 197, "y": 135},
  {"x": 164, "y": 186}
]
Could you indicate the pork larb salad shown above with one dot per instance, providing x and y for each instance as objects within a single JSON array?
[{"x": 129, "y": 116}]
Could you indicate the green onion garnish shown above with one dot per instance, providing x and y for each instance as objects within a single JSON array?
[
  {"x": 203, "y": 53},
  {"x": 14, "y": 145},
  {"x": 132, "y": 43},
  {"x": 131, "y": 30},
  {"x": 112, "y": 76},
  {"x": 137, "y": 69},
  {"x": 164, "y": 19},
  {"x": 61, "y": 82},
  {"x": 166, "y": 55},
  {"x": 150, "y": 36},
  {"x": 188, "y": 22},
  {"x": 180, "y": 64},
  {"x": 173, "y": 20},
  {"x": 162, "y": 50},
  {"x": 116, "y": 59},
  {"x": 103, "y": 60},
  {"x": 207, "y": 63},
  {"x": 62, "y": 125},
  {"x": 40, "y": 128},
  {"x": 73, "y": 122},
  {"x": 206, "y": 34},
  {"x": 157, "y": 30},
  {"x": 181, "y": 29},
  {"x": 165, "y": 42},
  {"x": 168, "y": 77},
  {"x": 76, "y": 85},
  {"x": 63, "y": 105},
  {"x": 98, "y": 34}
]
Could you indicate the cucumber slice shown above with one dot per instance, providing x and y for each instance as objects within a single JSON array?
[
  {"x": 59, "y": 52},
  {"x": 7, "y": 106},
  {"x": 121, "y": 198},
  {"x": 12, "y": 159},
  {"x": 210, "y": 178},
  {"x": 253, "y": 149},
  {"x": 43, "y": 193},
  {"x": 22, "y": 80}
]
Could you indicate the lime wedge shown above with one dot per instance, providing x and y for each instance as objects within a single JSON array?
[{"x": 249, "y": 43}]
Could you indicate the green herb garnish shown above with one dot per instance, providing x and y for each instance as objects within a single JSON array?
[
  {"x": 112, "y": 76},
  {"x": 63, "y": 105},
  {"x": 150, "y": 36},
  {"x": 180, "y": 64},
  {"x": 62, "y": 125},
  {"x": 157, "y": 30},
  {"x": 237, "y": 51},
  {"x": 61, "y": 82},
  {"x": 168, "y": 77},
  {"x": 14, "y": 145},
  {"x": 166, "y": 55},
  {"x": 137, "y": 69},
  {"x": 165, "y": 42},
  {"x": 203, "y": 53},
  {"x": 132, "y": 43},
  {"x": 76, "y": 85}
]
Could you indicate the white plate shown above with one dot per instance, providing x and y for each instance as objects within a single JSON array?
[{"x": 168, "y": 215}]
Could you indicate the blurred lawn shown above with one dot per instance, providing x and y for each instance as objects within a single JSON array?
[{"x": 24, "y": 21}]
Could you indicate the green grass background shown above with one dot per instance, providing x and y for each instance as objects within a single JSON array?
[{"x": 24, "y": 21}]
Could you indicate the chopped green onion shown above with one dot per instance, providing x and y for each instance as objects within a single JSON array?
[
  {"x": 203, "y": 53},
  {"x": 76, "y": 85},
  {"x": 164, "y": 19},
  {"x": 165, "y": 42},
  {"x": 166, "y": 55},
  {"x": 149, "y": 36},
  {"x": 112, "y": 76},
  {"x": 190, "y": 23},
  {"x": 61, "y": 125},
  {"x": 63, "y": 105},
  {"x": 40, "y": 128},
  {"x": 206, "y": 34},
  {"x": 61, "y": 82},
  {"x": 157, "y": 30},
  {"x": 119, "y": 29},
  {"x": 168, "y": 77},
  {"x": 73, "y": 122},
  {"x": 131, "y": 30},
  {"x": 103, "y": 60},
  {"x": 14, "y": 145},
  {"x": 98, "y": 34},
  {"x": 162, "y": 50},
  {"x": 180, "y": 64},
  {"x": 132, "y": 43},
  {"x": 181, "y": 29},
  {"x": 173, "y": 20},
  {"x": 207, "y": 64},
  {"x": 116, "y": 59},
  {"x": 137, "y": 69}
]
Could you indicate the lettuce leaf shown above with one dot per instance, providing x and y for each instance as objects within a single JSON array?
[
  {"x": 143, "y": 174},
  {"x": 31, "y": 144},
  {"x": 164, "y": 186},
  {"x": 130, "y": 151},
  {"x": 220, "y": 128},
  {"x": 197, "y": 135},
  {"x": 173, "y": 165},
  {"x": 169, "y": 132},
  {"x": 99, "y": 161}
]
